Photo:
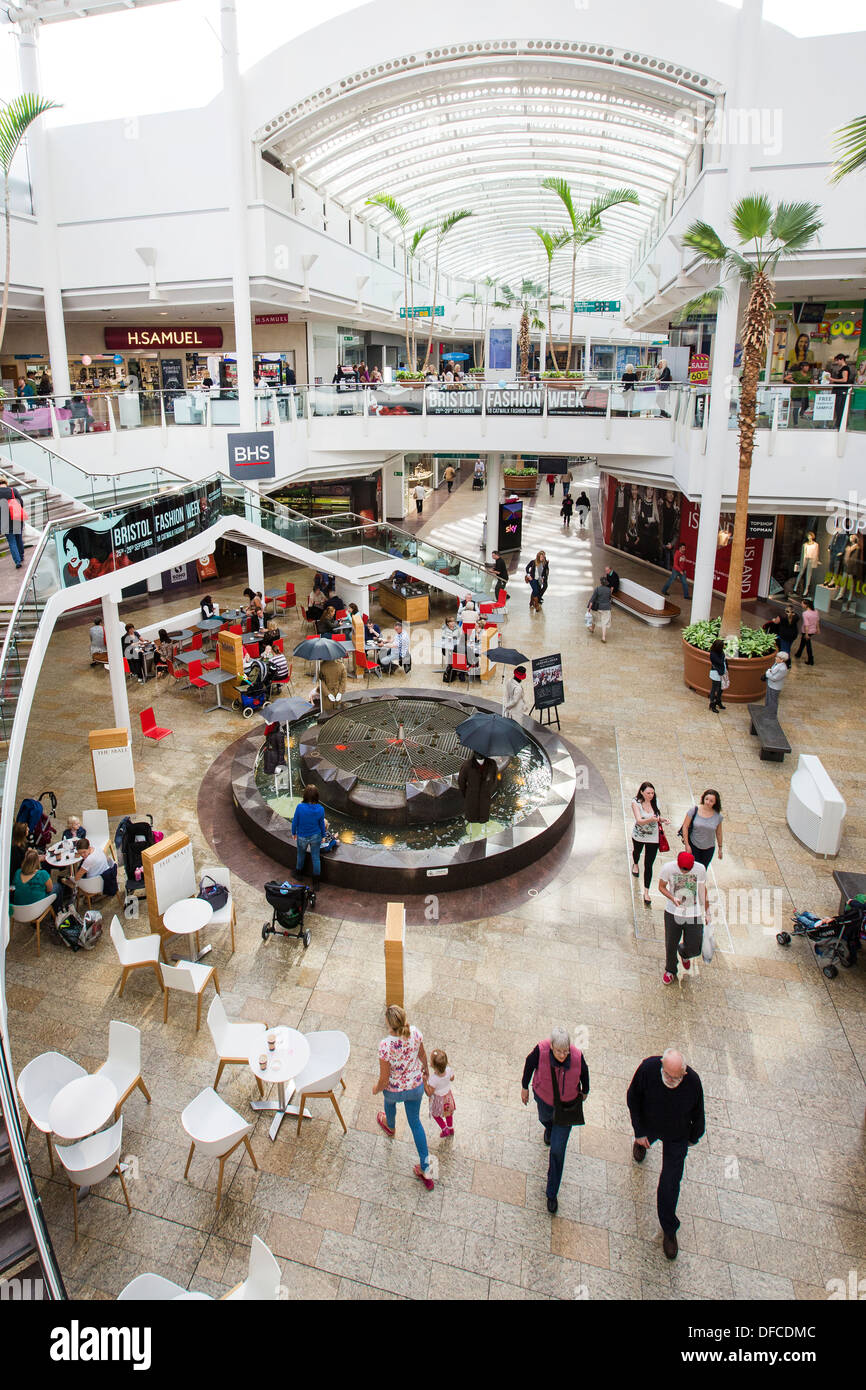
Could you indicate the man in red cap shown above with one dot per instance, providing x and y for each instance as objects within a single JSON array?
[{"x": 684, "y": 884}]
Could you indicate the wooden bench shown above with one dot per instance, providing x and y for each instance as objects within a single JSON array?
[
  {"x": 849, "y": 886},
  {"x": 767, "y": 728},
  {"x": 652, "y": 608}
]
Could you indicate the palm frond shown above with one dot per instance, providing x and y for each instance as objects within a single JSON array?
[
  {"x": 563, "y": 192},
  {"x": 16, "y": 116},
  {"x": 704, "y": 239},
  {"x": 795, "y": 225},
  {"x": 850, "y": 142},
  {"x": 706, "y": 303},
  {"x": 613, "y": 198},
  {"x": 417, "y": 238},
  {"x": 551, "y": 241},
  {"x": 390, "y": 205},
  {"x": 451, "y": 221},
  {"x": 751, "y": 216},
  {"x": 536, "y": 322}
]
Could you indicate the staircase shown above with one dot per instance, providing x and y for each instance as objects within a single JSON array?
[
  {"x": 42, "y": 502},
  {"x": 19, "y": 1261}
]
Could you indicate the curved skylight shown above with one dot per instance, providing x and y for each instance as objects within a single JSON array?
[{"x": 480, "y": 125}]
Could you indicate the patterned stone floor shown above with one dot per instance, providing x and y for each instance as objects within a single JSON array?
[{"x": 774, "y": 1201}]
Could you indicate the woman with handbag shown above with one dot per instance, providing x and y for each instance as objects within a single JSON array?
[
  {"x": 647, "y": 834},
  {"x": 14, "y": 517},
  {"x": 701, "y": 830},
  {"x": 560, "y": 1083},
  {"x": 719, "y": 678}
]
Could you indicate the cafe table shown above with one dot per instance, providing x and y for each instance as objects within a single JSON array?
[
  {"x": 210, "y": 624},
  {"x": 183, "y": 636},
  {"x": 82, "y": 1107},
  {"x": 288, "y": 1059},
  {"x": 59, "y": 857},
  {"x": 186, "y": 918},
  {"x": 217, "y": 678},
  {"x": 187, "y": 657}
]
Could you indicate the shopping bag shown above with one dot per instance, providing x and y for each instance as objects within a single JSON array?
[{"x": 708, "y": 948}]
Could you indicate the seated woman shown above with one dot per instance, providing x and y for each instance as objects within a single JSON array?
[
  {"x": 207, "y": 607},
  {"x": 278, "y": 667},
  {"x": 74, "y": 829},
  {"x": 164, "y": 650},
  {"x": 254, "y": 609},
  {"x": 316, "y": 603},
  {"x": 31, "y": 882},
  {"x": 328, "y": 622},
  {"x": 270, "y": 636},
  {"x": 18, "y": 850}
]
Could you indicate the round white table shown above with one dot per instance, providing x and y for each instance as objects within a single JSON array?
[
  {"x": 192, "y": 1296},
  {"x": 186, "y": 918},
  {"x": 82, "y": 1107},
  {"x": 288, "y": 1059},
  {"x": 61, "y": 858}
]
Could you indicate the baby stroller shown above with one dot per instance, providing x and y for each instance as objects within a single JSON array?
[
  {"x": 836, "y": 939},
  {"x": 478, "y": 479},
  {"x": 40, "y": 831},
  {"x": 132, "y": 838},
  {"x": 289, "y": 902},
  {"x": 255, "y": 691}
]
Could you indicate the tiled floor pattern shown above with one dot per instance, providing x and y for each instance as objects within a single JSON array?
[{"x": 774, "y": 1202}]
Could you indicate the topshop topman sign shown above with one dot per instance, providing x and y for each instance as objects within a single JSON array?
[
  {"x": 252, "y": 455},
  {"x": 123, "y": 339}
]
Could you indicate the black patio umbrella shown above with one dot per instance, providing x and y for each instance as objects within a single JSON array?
[
  {"x": 285, "y": 710},
  {"x": 509, "y": 656},
  {"x": 492, "y": 736},
  {"x": 320, "y": 649}
]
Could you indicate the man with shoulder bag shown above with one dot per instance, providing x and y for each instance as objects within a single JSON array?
[{"x": 560, "y": 1085}]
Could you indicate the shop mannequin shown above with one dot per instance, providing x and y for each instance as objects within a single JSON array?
[
  {"x": 852, "y": 565},
  {"x": 837, "y": 550},
  {"x": 808, "y": 562}
]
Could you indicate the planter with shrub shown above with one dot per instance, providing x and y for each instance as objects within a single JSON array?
[
  {"x": 520, "y": 479},
  {"x": 748, "y": 657}
]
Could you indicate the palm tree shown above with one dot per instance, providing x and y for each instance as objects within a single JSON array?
[
  {"x": 16, "y": 117},
  {"x": 483, "y": 303},
  {"x": 585, "y": 227},
  {"x": 401, "y": 217},
  {"x": 417, "y": 238},
  {"x": 527, "y": 298},
  {"x": 442, "y": 230},
  {"x": 765, "y": 234},
  {"x": 551, "y": 241},
  {"x": 851, "y": 144}
]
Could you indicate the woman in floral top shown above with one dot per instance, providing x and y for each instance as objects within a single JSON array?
[{"x": 403, "y": 1071}]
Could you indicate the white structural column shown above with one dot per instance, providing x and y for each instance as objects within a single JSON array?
[
  {"x": 236, "y": 182},
  {"x": 726, "y": 323},
  {"x": 587, "y": 352},
  {"x": 494, "y": 488},
  {"x": 116, "y": 673},
  {"x": 43, "y": 198}
]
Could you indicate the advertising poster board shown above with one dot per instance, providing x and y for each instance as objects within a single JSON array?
[
  {"x": 547, "y": 684},
  {"x": 515, "y": 400},
  {"x": 113, "y": 771},
  {"x": 510, "y": 526}
]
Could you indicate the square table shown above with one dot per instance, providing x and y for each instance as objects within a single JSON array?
[
  {"x": 288, "y": 1059},
  {"x": 183, "y": 636},
  {"x": 186, "y": 918},
  {"x": 210, "y": 624},
  {"x": 217, "y": 678},
  {"x": 187, "y": 657}
]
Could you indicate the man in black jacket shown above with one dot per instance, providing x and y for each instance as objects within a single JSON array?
[
  {"x": 666, "y": 1102},
  {"x": 611, "y": 579}
]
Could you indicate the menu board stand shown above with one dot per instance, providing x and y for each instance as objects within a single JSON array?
[{"x": 113, "y": 772}]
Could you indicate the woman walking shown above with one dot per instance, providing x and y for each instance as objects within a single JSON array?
[
  {"x": 718, "y": 674},
  {"x": 566, "y": 510},
  {"x": 551, "y": 483},
  {"x": 536, "y": 577},
  {"x": 701, "y": 830},
  {"x": 811, "y": 626},
  {"x": 403, "y": 1071},
  {"x": 645, "y": 834}
]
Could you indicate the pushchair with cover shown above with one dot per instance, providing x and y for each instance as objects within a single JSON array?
[
  {"x": 289, "y": 902},
  {"x": 832, "y": 938},
  {"x": 131, "y": 838},
  {"x": 40, "y": 831}
]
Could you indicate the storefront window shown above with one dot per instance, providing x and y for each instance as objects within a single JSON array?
[{"x": 818, "y": 558}]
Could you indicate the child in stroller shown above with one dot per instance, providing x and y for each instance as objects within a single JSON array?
[{"x": 832, "y": 938}]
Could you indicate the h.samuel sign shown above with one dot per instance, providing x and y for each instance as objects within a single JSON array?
[{"x": 129, "y": 339}]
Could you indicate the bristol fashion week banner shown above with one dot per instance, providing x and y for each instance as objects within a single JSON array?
[
  {"x": 547, "y": 686},
  {"x": 120, "y": 539}
]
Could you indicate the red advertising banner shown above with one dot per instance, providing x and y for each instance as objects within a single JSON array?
[
  {"x": 152, "y": 339},
  {"x": 650, "y": 522}
]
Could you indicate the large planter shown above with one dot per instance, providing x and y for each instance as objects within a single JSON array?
[
  {"x": 746, "y": 686},
  {"x": 520, "y": 482}
]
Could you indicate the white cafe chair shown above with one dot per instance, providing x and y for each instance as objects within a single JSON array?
[
  {"x": 150, "y": 1287},
  {"x": 123, "y": 1064},
  {"x": 35, "y": 914},
  {"x": 224, "y": 916},
  {"x": 90, "y": 888},
  {"x": 39, "y": 1082},
  {"x": 263, "y": 1281},
  {"x": 329, "y": 1055},
  {"x": 188, "y": 978},
  {"x": 136, "y": 954},
  {"x": 91, "y": 1160},
  {"x": 95, "y": 823},
  {"x": 234, "y": 1042},
  {"x": 216, "y": 1131}
]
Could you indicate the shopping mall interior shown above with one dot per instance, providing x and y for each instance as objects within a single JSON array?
[{"x": 433, "y": 649}]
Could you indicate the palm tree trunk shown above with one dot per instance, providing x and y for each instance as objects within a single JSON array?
[
  {"x": 432, "y": 311},
  {"x": 7, "y": 222},
  {"x": 413, "y": 360},
  {"x": 550, "y": 318},
  {"x": 571, "y": 308},
  {"x": 409, "y": 366},
  {"x": 755, "y": 331},
  {"x": 523, "y": 343}
]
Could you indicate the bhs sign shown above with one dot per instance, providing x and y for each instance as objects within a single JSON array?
[{"x": 252, "y": 455}]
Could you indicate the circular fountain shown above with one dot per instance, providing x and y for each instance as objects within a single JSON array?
[{"x": 386, "y": 772}]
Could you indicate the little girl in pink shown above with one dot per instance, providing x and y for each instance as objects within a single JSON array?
[{"x": 438, "y": 1088}]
